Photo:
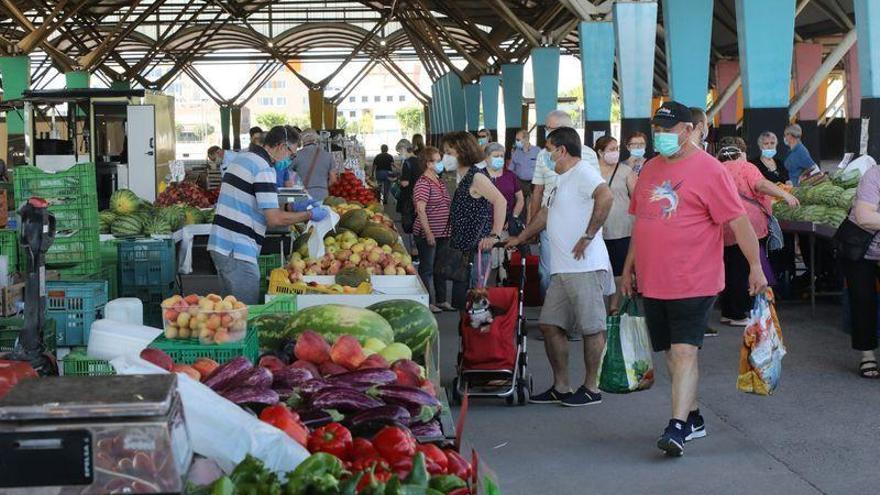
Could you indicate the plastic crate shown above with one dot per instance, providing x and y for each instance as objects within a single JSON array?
[
  {"x": 9, "y": 247},
  {"x": 267, "y": 263},
  {"x": 87, "y": 367},
  {"x": 80, "y": 247},
  {"x": 146, "y": 262},
  {"x": 78, "y": 183},
  {"x": 88, "y": 270},
  {"x": 279, "y": 283},
  {"x": 109, "y": 251},
  {"x": 186, "y": 352},
  {"x": 75, "y": 305},
  {"x": 74, "y": 217},
  {"x": 151, "y": 297},
  {"x": 10, "y": 328},
  {"x": 279, "y": 304},
  {"x": 106, "y": 272}
]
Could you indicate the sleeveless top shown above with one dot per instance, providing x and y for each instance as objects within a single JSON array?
[
  {"x": 471, "y": 218},
  {"x": 619, "y": 223}
]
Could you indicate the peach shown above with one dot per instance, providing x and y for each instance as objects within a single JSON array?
[{"x": 187, "y": 370}]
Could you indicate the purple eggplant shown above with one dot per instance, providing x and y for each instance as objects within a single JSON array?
[
  {"x": 290, "y": 377},
  {"x": 257, "y": 378},
  {"x": 314, "y": 418},
  {"x": 251, "y": 395},
  {"x": 382, "y": 413},
  {"x": 359, "y": 378},
  {"x": 313, "y": 386},
  {"x": 430, "y": 429},
  {"x": 228, "y": 373},
  {"x": 343, "y": 399},
  {"x": 404, "y": 396}
]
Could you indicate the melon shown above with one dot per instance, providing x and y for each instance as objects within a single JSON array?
[
  {"x": 354, "y": 220},
  {"x": 413, "y": 323},
  {"x": 124, "y": 202},
  {"x": 157, "y": 225},
  {"x": 333, "y": 321},
  {"x": 192, "y": 215},
  {"x": 174, "y": 215},
  {"x": 105, "y": 220},
  {"x": 379, "y": 233},
  {"x": 126, "y": 226},
  {"x": 352, "y": 276}
]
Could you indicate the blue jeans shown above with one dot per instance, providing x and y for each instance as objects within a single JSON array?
[
  {"x": 426, "y": 268},
  {"x": 459, "y": 289},
  {"x": 544, "y": 263},
  {"x": 383, "y": 177},
  {"x": 239, "y": 278}
]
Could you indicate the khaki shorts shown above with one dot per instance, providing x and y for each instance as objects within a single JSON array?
[{"x": 575, "y": 302}]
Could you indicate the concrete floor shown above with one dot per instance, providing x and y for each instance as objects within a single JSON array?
[{"x": 819, "y": 433}]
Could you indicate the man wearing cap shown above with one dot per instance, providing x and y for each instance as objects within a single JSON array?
[
  {"x": 314, "y": 166},
  {"x": 682, "y": 201}
]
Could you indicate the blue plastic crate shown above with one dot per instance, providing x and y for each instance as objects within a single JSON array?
[
  {"x": 146, "y": 262},
  {"x": 151, "y": 297},
  {"x": 75, "y": 305}
]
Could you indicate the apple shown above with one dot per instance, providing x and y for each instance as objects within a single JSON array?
[
  {"x": 329, "y": 241},
  {"x": 401, "y": 270},
  {"x": 355, "y": 258},
  {"x": 397, "y": 257},
  {"x": 343, "y": 254},
  {"x": 332, "y": 249},
  {"x": 357, "y": 248},
  {"x": 387, "y": 249},
  {"x": 411, "y": 270},
  {"x": 346, "y": 244},
  {"x": 390, "y": 270}
]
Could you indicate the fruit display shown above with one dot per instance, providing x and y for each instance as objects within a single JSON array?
[
  {"x": 130, "y": 216},
  {"x": 186, "y": 193},
  {"x": 350, "y": 188},
  {"x": 414, "y": 325},
  {"x": 335, "y": 320},
  {"x": 825, "y": 199},
  {"x": 346, "y": 251},
  {"x": 302, "y": 287},
  {"x": 210, "y": 319}
]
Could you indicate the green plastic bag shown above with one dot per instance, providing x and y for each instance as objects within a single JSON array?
[{"x": 627, "y": 365}]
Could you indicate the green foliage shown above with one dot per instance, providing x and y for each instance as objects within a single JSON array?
[
  {"x": 269, "y": 120},
  {"x": 412, "y": 120},
  {"x": 302, "y": 121}
]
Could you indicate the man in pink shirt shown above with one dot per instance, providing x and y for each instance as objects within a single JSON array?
[{"x": 683, "y": 199}]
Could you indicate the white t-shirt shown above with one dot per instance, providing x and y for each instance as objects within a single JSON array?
[
  {"x": 568, "y": 216},
  {"x": 545, "y": 177}
]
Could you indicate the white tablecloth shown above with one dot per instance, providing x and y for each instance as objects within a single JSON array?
[{"x": 185, "y": 237}]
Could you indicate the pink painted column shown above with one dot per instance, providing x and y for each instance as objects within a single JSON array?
[
  {"x": 807, "y": 59},
  {"x": 725, "y": 72},
  {"x": 853, "y": 99}
]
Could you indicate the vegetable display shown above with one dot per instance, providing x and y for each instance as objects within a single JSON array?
[
  {"x": 186, "y": 193},
  {"x": 825, "y": 199},
  {"x": 131, "y": 216},
  {"x": 414, "y": 325},
  {"x": 334, "y": 320},
  {"x": 211, "y": 319},
  {"x": 349, "y": 187}
]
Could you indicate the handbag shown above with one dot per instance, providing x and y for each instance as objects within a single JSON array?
[
  {"x": 851, "y": 242},
  {"x": 775, "y": 240},
  {"x": 452, "y": 264}
]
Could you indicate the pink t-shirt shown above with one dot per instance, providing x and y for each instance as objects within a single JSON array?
[
  {"x": 746, "y": 177},
  {"x": 680, "y": 210}
]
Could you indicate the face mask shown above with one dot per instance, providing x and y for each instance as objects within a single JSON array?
[
  {"x": 497, "y": 162},
  {"x": 283, "y": 163},
  {"x": 768, "y": 153},
  {"x": 450, "y": 163},
  {"x": 439, "y": 167},
  {"x": 666, "y": 143},
  {"x": 519, "y": 144},
  {"x": 482, "y": 141},
  {"x": 637, "y": 152},
  {"x": 551, "y": 163},
  {"x": 544, "y": 158},
  {"x": 612, "y": 157}
]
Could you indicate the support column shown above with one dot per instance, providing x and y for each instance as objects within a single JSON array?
[
  {"x": 853, "y": 100},
  {"x": 512, "y": 78},
  {"x": 489, "y": 90},
  {"x": 456, "y": 101},
  {"x": 235, "y": 117},
  {"x": 765, "y": 34},
  {"x": 329, "y": 115},
  {"x": 444, "y": 104},
  {"x": 472, "y": 107},
  {"x": 434, "y": 114},
  {"x": 725, "y": 73},
  {"x": 428, "y": 117},
  {"x": 316, "y": 108},
  {"x": 597, "y": 68},
  {"x": 807, "y": 59},
  {"x": 688, "y": 30},
  {"x": 16, "y": 73},
  {"x": 635, "y": 31},
  {"x": 545, "y": 74},
  {"x": 224, "y": 126},
  {"x": 867, "y": 19}
]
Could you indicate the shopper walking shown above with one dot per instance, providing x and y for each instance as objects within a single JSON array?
[
  {"x": 580, "y": 271},
  {"x": 383, "y": 163},
  {"x": 618, "y": 227},
  {"x": 798, "y": 162},
  {"x": 478, "y": 209},
  {"x": 507, "y": 183},
  {"x": 409, "y": 174},
  {"x": 315, "y": 166},
  {"x": 248, "y": 203},
  {"x": 523, "y": 161},
  {"x": 862, "y": 275},
  {"x": 681, "y": 202},
  {"x": 636, "y": 144},
  {"x": 755, "y": 192},
  {"x": 431, "y": 228}
]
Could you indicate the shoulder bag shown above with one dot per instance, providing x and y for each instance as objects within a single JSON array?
[
  {"x": 851, "y": 242},
  {"x": 311, "y": 169},
  {"x": 775, "y": 240}
]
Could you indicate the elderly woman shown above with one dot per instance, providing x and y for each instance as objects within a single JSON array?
[
  {"x": 755, "y": 192},
  {"x": 768, "y": 162},
  {"x": 508, "y": 184},
  {"x": 862, "y": 275}
]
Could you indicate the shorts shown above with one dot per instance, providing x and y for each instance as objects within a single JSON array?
[
  {"x": 617, "y": 251},
  {"x": 677, "y": 321},
  {"x": 575, "y": 302}
]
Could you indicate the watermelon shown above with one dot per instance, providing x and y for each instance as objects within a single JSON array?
[
  {"x": 126, "y": 226},
  {"x": 105, "y": 220},
  {"x": 157, "y": 225},
  {"x": 174, "y": 215},
  {"x": 192, "y": 215},
  {"x": 332, "y": 321},
  {"x": 412, "y": 322},
  {"x": 124, "y": 202}
]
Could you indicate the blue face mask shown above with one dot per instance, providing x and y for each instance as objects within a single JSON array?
[
  {"x": 519, "y": 144},
  {"x": 496, "y": 162},
  {"x": 482, "y": 141},
  {"x": 637, "y": 152},
  {"x": 439, "y": 167},
  {"x": 282, "y": 164},
  {"x": 666, "y": 143},
  {"x": 768, "y": 153}
]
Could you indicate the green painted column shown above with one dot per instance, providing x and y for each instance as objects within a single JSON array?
[
  {"x": 235, "y": 113},
  {"x": 225, "y": 118},
  {"x": 78, "y": 79},
  {"x": 120, "y": 85},
  {"x": 16, "y": 73}
]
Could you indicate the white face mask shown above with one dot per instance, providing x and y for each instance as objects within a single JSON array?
[{"x": 450, "y": 163}]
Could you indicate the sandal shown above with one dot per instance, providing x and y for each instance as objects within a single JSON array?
[{"x": 870, "y": 371}]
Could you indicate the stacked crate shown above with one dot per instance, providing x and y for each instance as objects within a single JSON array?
[
  {"x": 73, "y": 199},
  {"x": 9, "y": 248},
  {"x": 147, "y": 270},
  {"x": 75, "y": 305}
]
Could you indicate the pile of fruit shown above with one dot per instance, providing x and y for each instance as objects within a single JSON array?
[
  {"x": 824, "y": 199},
  {"x": 341, "y": 207},
  {"x": 211, "y": 319},
  {"x": 129, "y": 215},
  {"x": 187, "y": 193},
  {"x": 199, "y": 370},
  {"x": 350, "y": 188},
  {"x": 302, "y": 287}
]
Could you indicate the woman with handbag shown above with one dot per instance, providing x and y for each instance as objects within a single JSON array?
[
  {"x": 755, "y": 192},
  {"x": 431, "y": 228},
  {"x": 477, "y": 219},
  {"x": 858, "y": 249}
]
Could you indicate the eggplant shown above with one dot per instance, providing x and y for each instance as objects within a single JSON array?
[
  {"x": 343, "y": 400},
  {"x": 430, "y": 429},
  {"x": 228, "y": 373},
  {"x": 257, "y": 378},
  {"x": 370, "y": 376},
  {"x": 290, "y": 377},
  {"x": 313, "y": 386},
  {"x": 405, "y": 396},
  {"x": 251, "y": 395},
  {"x": 388, "y": 414},
  {"x": 314, "y": 418}
]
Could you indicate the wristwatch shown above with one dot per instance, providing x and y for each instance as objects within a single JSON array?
[
  {"x": 496, "y": 236},
  {"x": 588, "y": 237}
]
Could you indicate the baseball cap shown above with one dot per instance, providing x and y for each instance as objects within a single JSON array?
[{"x": 671, "y": 113}]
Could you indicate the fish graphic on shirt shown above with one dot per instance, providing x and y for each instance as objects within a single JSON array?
[{"x": 666, "y": 192}]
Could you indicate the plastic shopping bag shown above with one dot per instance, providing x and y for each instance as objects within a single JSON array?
[
  {"x": 760, "y": 357},
  {"x": 627, "y": 365}
]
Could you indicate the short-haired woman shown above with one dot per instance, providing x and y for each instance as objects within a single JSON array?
[
  {"x": 431, "y": 228},
  {"x": 636, "y": 144}
]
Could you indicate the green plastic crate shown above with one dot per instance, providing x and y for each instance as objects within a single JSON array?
[
  {"x": 267, "y": 263},
  {"x": 187, "y": 351},
  {"x": 152, "y": 297},
  {"x": 146, "y": 262},
  {"x": 110, "y": 251},
  {"x": 279, "y": 304},
  {"x": 10, "y": 328},
  {"x": 77, "y": 183},
  {"x": 88, "y": 367},
  {"x": 9, "y": 247}
]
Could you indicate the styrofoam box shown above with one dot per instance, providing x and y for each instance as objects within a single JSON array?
[{"x": 385, "y": 288}]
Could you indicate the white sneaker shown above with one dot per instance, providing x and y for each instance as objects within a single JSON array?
[
  {"x": 739, "y": 323},
  {"x": 435, "y": 309}
]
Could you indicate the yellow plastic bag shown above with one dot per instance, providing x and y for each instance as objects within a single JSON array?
[{"x": 760, "y": 357}]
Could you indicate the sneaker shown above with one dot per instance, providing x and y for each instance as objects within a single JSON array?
[
  {"x": 725, "y": 320},
  {"x": 672, "y": 440},
  {"x": 551, "y": 396},
  {"x": 739, "y": 323},
  {"x": 710, "y": 332},
  {"x": 446, "y": 307},
  {"x": 582, "y": 397},
  {"x": 435, "y": 309},
  {"x": 695, "y": 427}
]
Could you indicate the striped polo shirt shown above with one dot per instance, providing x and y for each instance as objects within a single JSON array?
[
  {"x": 239, "y": 227},
  {"x": 436, "y": 199}
]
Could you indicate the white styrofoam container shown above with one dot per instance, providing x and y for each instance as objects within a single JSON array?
[
  {"x": 126, "y": 310},
  {"x": 385, "y": 288}
]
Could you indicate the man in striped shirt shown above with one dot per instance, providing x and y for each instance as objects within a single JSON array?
[{"x": 248, "y": 203}]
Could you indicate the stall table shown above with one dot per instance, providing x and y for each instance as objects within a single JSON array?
[{"x": 812, "y": 230}]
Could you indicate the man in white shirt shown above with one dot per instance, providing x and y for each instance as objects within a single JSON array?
[{"x": 580, "y": 270}]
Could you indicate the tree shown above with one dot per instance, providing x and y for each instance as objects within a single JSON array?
[
  {"x": 303, "y": 121},
  {"x": 269, "y": 120},
  {"x": 411, "y": 119},
  {"x": 341, "y": 122},
  {"x": 366, "y": 122}
]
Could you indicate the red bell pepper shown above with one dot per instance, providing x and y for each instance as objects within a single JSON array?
[
  {"x": 332, "y": 438},
  {"x": 376, "y": 473},
  {"x": 435, "y": 459},
  {"x": 361, "y": 447},
  {"x": 395, "y": 444},
  {"x": 402, "y": 468},
  {"x": 287, "y": 421},
  {"x": 457, "y": 465}
]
